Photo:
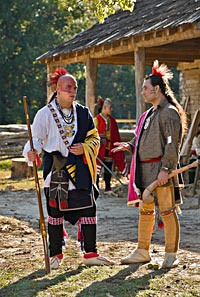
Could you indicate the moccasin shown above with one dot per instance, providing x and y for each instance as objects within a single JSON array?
[
  {"x": 56, "y": 261},
  {"x": 96, "y": 259},
  {"x": 138, "y": 256},
  {"x": 170, "y": 260}
]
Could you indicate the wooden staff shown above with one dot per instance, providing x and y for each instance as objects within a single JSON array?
[
  {"x": 37, "y": 187},
  {"x": 147, "y": 194}
]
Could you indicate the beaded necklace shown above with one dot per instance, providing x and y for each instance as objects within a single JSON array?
[{"x": 67, "y": 118}]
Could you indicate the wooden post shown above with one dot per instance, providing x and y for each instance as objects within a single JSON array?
[
  {"x": 91, "y": 77},
  {"x": 139, "y": 55}
]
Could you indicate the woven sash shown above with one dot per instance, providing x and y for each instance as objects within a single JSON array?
[{"x": 60, "y": 129}]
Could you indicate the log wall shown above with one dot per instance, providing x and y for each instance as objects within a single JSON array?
[
  {"x": 189, "y": 86},
  {"x": 12, "y": 140}
]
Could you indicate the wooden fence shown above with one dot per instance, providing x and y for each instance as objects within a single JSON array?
[{"x": 12, "y": 140}]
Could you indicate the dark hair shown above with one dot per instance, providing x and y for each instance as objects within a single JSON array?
[
  {"x": 54, "y": 95},
  {"x": 169, "y": 94}
]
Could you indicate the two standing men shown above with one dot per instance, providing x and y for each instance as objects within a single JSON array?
[{"x": 155, "y": 154}]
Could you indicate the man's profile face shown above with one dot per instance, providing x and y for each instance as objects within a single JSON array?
[
  {"x": 107, "y": 108},
  {"x": 148, "y": 91}
]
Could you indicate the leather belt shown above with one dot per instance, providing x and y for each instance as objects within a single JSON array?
[{"x": 152, "y": 160}]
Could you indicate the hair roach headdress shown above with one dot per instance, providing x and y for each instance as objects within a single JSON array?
[
  {"x": 100, "y": 101},
  {"x": 162, "y": 71},
  {"x": 58, "y": 73}
]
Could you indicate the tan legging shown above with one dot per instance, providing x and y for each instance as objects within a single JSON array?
[{"x": 165, "y": 196}]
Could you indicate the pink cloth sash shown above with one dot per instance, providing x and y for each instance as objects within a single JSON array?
[{"x": 133, "y": 192}]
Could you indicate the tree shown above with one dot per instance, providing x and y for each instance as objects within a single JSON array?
[
  {"x": 117, "y": 83},
  {"x": 28, "y": 29},
  {"x": 100, "y": 8},
  {"x": 103, "y": 8}
]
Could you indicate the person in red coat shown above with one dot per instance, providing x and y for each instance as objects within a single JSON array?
[{"x": 109, "y": 134}]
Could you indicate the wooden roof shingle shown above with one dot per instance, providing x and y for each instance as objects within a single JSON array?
[{"x": 148, "y": 16}]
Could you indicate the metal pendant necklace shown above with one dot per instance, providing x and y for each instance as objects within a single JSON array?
[{"x": 68, "y": 119}]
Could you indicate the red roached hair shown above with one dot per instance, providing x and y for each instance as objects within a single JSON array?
[
  {"x": 58, "y": 73},
  {"x": 100, "y": 101},
  {"x": 162, "y": 71}
]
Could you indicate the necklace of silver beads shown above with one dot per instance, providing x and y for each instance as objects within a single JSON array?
[{"x": 67, "y": 118}]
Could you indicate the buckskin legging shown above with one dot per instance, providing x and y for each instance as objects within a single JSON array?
[{"x": 166, "y": 204}]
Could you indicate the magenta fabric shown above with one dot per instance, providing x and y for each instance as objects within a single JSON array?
[{"x": 133, "y": 198}]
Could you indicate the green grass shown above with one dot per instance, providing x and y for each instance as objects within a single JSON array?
[{"x": 5, "y": 164}]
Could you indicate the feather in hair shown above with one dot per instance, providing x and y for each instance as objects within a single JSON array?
[
  {"x": 162, "y": 71},
  {"x": 58, "y": 73}
]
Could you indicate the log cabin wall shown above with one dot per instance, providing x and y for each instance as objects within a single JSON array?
[{"x": 190, "y": 86}]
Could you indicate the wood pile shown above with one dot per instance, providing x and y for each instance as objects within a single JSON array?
[{"x": 12, "y": 140}]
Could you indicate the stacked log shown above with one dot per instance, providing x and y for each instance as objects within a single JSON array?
[{"x": 12, "y": 140}]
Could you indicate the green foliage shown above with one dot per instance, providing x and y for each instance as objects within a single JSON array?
[
  {"x": 118, "y": 84},
  {"x": 27, "y": 30},
  {"x": 104, "y": 8}
]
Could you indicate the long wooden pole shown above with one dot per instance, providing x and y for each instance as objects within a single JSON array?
[{"x": 37, "y": 187}]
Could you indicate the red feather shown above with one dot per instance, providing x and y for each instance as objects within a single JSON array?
[
  {"x": 58, "y": 73},
  {"x": 156, "y": 72}
]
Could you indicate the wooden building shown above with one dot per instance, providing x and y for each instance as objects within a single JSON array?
[{"x": 167, "y": 30}]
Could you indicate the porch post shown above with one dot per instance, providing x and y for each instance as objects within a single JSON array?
[
  {"x": 139, "y": 56},
  {"x": 91, "y": 77}
]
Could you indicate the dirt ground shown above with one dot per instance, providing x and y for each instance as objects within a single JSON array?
[
  {"x": 116, "y": 221},
  {"x": 117, "y": 230}
]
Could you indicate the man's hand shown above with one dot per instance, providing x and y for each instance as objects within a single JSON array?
[
  {"x": 162, "y": 178},
  {"x": 32, "y": 156},
  {"x": 76, "y": 149},
  {"x": 121, "y": 146}
]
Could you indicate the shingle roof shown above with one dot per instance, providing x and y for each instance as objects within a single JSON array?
[{"x": 147, "y": 16}]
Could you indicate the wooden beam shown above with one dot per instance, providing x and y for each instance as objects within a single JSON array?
[
  {"x": 147, "y": 40},
  {"x": 188, "y": 66},
  {"x": 125, "y": 45},
  {"x": 91, "y": 77},
  {"x": 139, "y": 77}
]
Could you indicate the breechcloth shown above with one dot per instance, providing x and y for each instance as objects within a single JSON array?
[
  {"x": 56, "y": 218},
  {"x": 166, "y": 204}
]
